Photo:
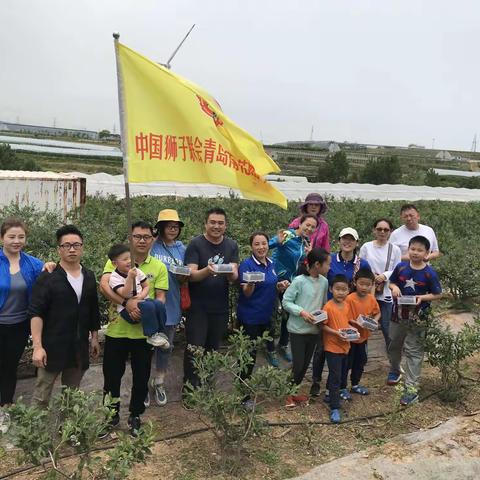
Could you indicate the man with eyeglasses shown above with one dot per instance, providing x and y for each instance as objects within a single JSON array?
[
  {"x": 411, "y": 228},
  {"x": 207, "y": 317},
  {"x": 64, "y": 318},
  {"x": 123, "y": 339}
]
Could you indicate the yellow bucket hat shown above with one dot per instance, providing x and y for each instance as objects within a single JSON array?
[{"x": 169, "y": 215}]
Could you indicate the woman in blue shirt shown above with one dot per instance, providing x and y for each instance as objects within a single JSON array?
[
  {"x": 257, "y": 300},
  {"x": 18, "y": 272},
  {"x": 168, "y": 249}
]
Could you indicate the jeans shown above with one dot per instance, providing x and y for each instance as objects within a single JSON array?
[
  {"x": 337, "y": 366},
  {"x": 408, "y": 338},
  {"x": 13, "y": 339},
  {"x": 385, "y": 318},
  {"x": 205, "y": 330},
  {"x": 153, "y": 318},
  {"x": 357, "y": 359},
  {"x": 302, "y": 346},
  {"x": 162, "y": 357},
  {"x": 115, "y": 355},
  {"x": 253, "y": 332}
]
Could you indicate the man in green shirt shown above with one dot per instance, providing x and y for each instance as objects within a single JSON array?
[{"x": 124, "y": 339}]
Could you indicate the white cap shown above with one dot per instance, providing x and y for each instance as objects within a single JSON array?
[{"x": 349, "y": 231}]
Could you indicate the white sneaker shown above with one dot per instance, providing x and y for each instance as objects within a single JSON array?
[
  {"x": 159, "y": 340},
  {"x": 158, "y": 392}
]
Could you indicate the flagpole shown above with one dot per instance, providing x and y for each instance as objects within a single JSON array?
[{"x": 123, "y": 138}]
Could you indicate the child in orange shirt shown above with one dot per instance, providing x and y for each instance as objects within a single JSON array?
[
  {"x": 361, "y": 302},
  {"x": 334, "y": 342}
]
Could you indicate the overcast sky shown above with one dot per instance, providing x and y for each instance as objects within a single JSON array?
[{"x": 382, "y": 71}]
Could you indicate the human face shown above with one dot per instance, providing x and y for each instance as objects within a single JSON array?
[
  {"x": 141, "y": 240},
  {"x": 14, "y": 240},
  {"x": 70, "y": 248},
  {"x": 339, "y": 291},
  {"x": 260, "y": 247},
  {"x": 171, "y": 231},
  {"x": 123, "y": 262},
  {"x": 348, "y": 244},
  {"x": 410, "y": 218},
  {"x": 382, "y": 231},
  {"x": 363, "y": 286},
  {"x": 215, "y": 226},
  {"x": 417, "y": 252},
  {"x": 306, "y": 228},
  {"x": 313, "y": 208}
]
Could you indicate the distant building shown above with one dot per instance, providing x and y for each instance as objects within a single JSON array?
[
  {"x": 53, "y": 131},
  {"x": 413, "y": 145},
  {"x": 444, "y": 155}
]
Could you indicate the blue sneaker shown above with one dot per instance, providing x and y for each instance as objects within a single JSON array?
[
  {"x": 393, "y": 378},
  {"x": 360, "y": 390},
  {"x": 284, "y": 351},
  {"x": 272, "y": 359},
  {"x": 335, "y": 416},
  {"x": 345, "y": 395},
  {"x": 408, "y": 398}
]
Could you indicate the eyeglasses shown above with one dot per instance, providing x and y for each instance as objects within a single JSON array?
[
  {"x": 378, "y": 229},
  {"x": 172, "y": 227},
  {"x": 68, "y": 246},
  {"x": 145, "y": 238}
]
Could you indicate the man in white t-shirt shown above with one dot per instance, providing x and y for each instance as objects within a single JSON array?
[{"x": 411, "y": 227}]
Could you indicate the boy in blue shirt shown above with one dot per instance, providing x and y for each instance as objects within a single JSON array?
[{"x": 413, "y": 277}]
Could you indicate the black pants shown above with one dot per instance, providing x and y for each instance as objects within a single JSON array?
[
  {"x": 318, "y": 361},
  {"x": 253, "y": 332},
  {"x": 337, "y": 366},
  {"x": 205, "y": 330},
  {"x": 302, "y": 347},
  {"x": 116, "y": 353},
  {"x": 357, "y": 359},
  {"x": 284, "y": 335},
  {"x": 13, "y": 339}
]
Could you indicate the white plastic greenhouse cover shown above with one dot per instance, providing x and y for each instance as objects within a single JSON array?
[{"x": 295, "y": 188}]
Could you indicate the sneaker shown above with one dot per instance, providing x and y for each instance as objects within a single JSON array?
[
  {"x": 159, "y": 392},
  {"x": 134, "y": 425},
  {"x": 345, "y": 394},
  {"x": 5, "y": 421},
  {"x": 301, "y": 399},
  {"x": 146, "y": 402},
  {"x": 335, "y": 416},
  {"x": 272, "y": 359},
  {"x": 285, "y": 353},
  {"x": 408, "y": 398},
  {"x": 326, "y": 398},
  {"x": 315, "y": 389},
  {"x": 360, "y": 390},
  {"x": 393, "y": 378},
  {"x": 114, "y": 421},
  {"x": 159, "y": 340},
  {"x": 290, "y": 402}
]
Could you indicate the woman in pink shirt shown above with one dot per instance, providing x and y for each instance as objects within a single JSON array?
[{"x": 315, "y": 205}]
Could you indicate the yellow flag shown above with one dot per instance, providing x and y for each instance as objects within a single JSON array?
[{"x": 175, "y": 131}]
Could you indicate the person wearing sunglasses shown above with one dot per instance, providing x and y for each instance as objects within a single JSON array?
[
  {"x": 383, "y": 256},
  {"x": 65, "y": 318}
]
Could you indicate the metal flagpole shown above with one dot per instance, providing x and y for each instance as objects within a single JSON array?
[{"x": 123, "y": 137}]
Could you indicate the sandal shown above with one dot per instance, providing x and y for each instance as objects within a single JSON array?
[{"x": 360, "y": 390}]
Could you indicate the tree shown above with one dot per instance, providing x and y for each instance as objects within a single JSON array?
[
  {"x": 432, "y": 179},
  {"x": 335, "y": 169},
  {"x": 10, "y": 161},
  {"x": 382, "y": 171},
  {"x": 103, "y": 133}
]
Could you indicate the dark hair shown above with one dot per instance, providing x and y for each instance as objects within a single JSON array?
[
  {"x": 161, "y": 226},
  {"x": 408, "y": 206},
  {"x": 308, "y": 215},
  {"x": 316, "y": 254},
  {"x": 421, "y": 240},
  {"x": 365, "y": 273},
  {"x": 67, "y": 230},
  {"x": 142, "y": 224},
  {"x": 339, "y": 279},
  {"x": 12, "y": 222},
  {"x": 215, "y": 211},
  {"x": 386, "y": 220},
  {"x": 257, "y": 234},
  {"x": 117, "y": 250}
]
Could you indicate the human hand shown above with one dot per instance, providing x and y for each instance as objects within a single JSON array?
[
  {"x": 380, "y": 278},
  {"x": 132, "y": 273},
  {"x": 133, "y": 310},
  {"x": 49, "y": 267},
  {"x": 395, "y": 291},
  {"x": 94, "y": 347},
  {"x": 307, "y": 316},
  {"x": 39, "y": 357},
  {"x": 283, "y": 285}
]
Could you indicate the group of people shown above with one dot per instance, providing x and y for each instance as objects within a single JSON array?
[{"x": 152, "y": 280}]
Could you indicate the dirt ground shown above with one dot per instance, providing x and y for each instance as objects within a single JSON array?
[{"x": 289, "y": 450}]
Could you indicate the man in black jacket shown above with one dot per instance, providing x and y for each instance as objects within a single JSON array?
[{"x": 64, "y": 317}]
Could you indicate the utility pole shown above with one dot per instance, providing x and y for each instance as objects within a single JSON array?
[
  {"x": 311, "y": 134},
  {"x": 474, "y": 143}
]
